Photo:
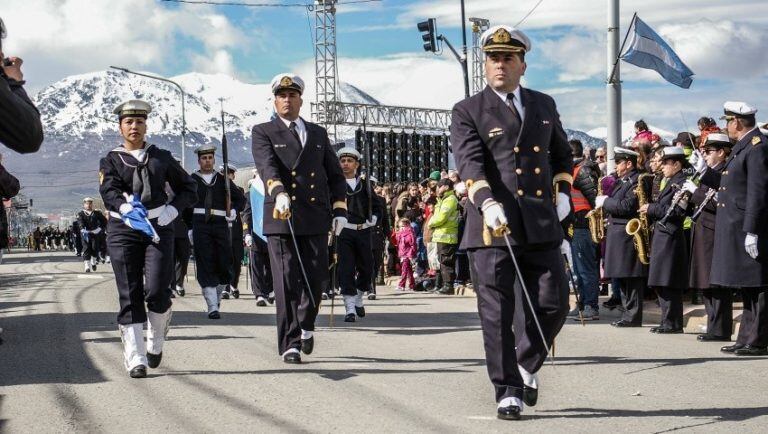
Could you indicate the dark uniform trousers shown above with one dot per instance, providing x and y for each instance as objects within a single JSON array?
[
  {"x": 238, "y": 251},
  {"x": 295, "y": 310},
  {"x": 91, "y": 247},
  {"x": 718, "y": 302},
  {"x": 754, "y": 319},
  {"x": 261, "y": 273},
  {"x": 141, "y": 270},
  {"x": 355, "y": 267},
  {"x": 502, "y": 305},
  {"x": 213, "y": 253},
  {"x": 181, "y": 251}
]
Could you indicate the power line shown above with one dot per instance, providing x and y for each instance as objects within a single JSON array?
[
  {"x": 529, "y": 13},
  {"x": 261, "y": 5}
]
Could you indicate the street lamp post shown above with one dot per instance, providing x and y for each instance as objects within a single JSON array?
[{"x": 183, "y": 109}]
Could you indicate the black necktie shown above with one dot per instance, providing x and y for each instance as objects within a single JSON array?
[
  {"x": 511, "y": 104},
  {"x": 292, "y": 129}
]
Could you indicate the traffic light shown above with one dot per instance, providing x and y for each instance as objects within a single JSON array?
[{"x": 428, "y": 28}]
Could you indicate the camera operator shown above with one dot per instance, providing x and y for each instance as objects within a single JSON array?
[
  {"x": 20, "y": 127},
  {"x": 9, "y": 187}
]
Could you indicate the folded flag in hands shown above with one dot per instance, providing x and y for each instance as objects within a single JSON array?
[{"x": 137, "y": 219}]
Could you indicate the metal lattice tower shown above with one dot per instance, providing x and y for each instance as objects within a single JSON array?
[
  {"x": 326, "y": 71},
  {"x": 479, "y": 25}
]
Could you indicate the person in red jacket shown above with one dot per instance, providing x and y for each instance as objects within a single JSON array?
[{"x": 406, "y": 251}]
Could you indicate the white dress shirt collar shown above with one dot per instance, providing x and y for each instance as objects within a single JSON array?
[
  {"x": 301, "y": 128},
  {"x": 518, "y": 102}
]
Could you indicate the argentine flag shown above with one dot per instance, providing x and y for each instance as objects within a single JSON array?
[
  {"x": 256, "y": 192},
  {"x": 647, "y": 50}
]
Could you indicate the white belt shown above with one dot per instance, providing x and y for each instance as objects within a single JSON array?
[
  {"x": 151, "y": 214},
  {"x": 357, "y": 227},
  {"x": 217, "y": 212}
]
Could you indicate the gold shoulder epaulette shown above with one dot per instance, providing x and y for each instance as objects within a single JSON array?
[{"x": 756, "y": 140}]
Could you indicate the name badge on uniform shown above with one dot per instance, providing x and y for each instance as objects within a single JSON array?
[
  {"x": 495, "y": 132},
  {"x": 280, "y": 145},
  {"x": 545, "y": 122}
]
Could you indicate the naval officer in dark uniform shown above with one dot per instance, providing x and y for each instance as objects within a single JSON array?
[
  {"x": 236, "y": 230},
  {"x": 740, "y": 257},
  {"x": 209, "y": 222},
  {"x": 510, "y": 149},
  {"x": 258, "y": 252},
  {"x": 137, "y": 171},
  {"x": 702, "y": 208},
  {"x": 668, "y": 271},
  {"x": 305, "y": 199},
  {"x": 91, "y": 223}
]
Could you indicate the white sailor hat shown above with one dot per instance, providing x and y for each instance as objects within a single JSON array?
[
  {"x": 349, "y": 152},
  {"x": 133, "y": 108},
  {"x": 737, "y": 109},
  {"x": 232, "y": 168},
  {"x": 87, "y": 199},
  {"x": 718, "y": 140},
  {"x": 624, "y": 154},
  {"x": 287, "y": 80},
  {"x": 505, "y": 39},
  {"x": 673, "y": 153},
  {"x": 205, "y": 149},
  {"x": 373, "y": 179}
]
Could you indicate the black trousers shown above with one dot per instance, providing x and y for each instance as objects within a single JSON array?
[
  {"x": 238, "y": 252},
  {"x": 447, "y": 257},
  {"x": 754, "y": 319},
  {"x": 502, "y": 305},
  {"x": 261, "y": 274},
  {"x": 213, "y": 254},
  {"x": 719, "y": 305},
  {"x": 378, "y": 261},
  {"x": 181, "y": 250},
  {"x": 355, "y": 267},
  {"x": 91, "y": 247},
  {"x": 671, "y": 303},
  {"x": 632, "y": 289},
  {"x": 141, "y": 270},
  {"x": 294, "y": 308}
]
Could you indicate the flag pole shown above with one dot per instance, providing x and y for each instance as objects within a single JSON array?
[{"x": 618, "y": 56}]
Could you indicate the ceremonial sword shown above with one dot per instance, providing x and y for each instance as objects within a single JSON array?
[{"x": 301, "y": 262}]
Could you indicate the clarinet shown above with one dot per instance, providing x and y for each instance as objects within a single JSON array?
[{"x": 710, "y": 195}]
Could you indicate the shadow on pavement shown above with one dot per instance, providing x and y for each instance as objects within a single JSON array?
[{"x": 722, "y": 414}]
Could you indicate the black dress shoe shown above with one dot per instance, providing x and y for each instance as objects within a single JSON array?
[
  {"x": 236, "y": 293},
  {"x": 138, "y": 372},
  {"x": 371, "y": 296},
  {"x": 182, "y": 292},
  {"x": 711, "y": 338},
  {"x": 214, "y": 315},
  {"x": 324, "y": 296},
  {"x": 510, "y": 412},
  {"x": 622, "y": 323},
  {"x": 732, "y": 348},
  {"x": 271, "y": 300},
  {"x": 153, "y": 360},
  {"x": 225, "y": 295},
  {"x": 350, "y": 317},
  {"x": 654, "y": 329},
  {"x": 750, "y": 350},
  {"x": 261, "y": 303},
  {"x": 307, "y": 345},
  {"x": 173, "y": 295},
  {"x": 530, "y": 396},
  {"x": 668, "y": 331},
  {"x": 360, "y": 311},
  {"x": 293, "y": 358}
]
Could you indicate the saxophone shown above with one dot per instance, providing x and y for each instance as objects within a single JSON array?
[
  {"x": 596, "y": 219},
  {"x": 638, "y": 227}
]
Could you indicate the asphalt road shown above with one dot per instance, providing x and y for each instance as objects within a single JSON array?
[{"x": 414, "y": 364}]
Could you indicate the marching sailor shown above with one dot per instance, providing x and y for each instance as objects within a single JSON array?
[
  {"x": 258, "y": 257},
  {"x": 238, "y": 250},
  {"x": 510, "y": 148},
  {"x": 91, "y": 224},
  {"x": 209, "y": 230},
  {"x": 305, "y": 198},
  {"x": 132, "y": 182},
  {"x": 355, "y": 252}
]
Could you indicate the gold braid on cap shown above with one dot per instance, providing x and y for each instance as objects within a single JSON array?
[
  {"x": 286, "y": 81},
  {"x": 501, "y": 36},
  {"x": 563, "y": 177},
  {"x": 475, "y": 187}
]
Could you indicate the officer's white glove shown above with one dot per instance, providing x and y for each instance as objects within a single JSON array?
[
  {"x": 166, "y": 217},
  {"x": 700, "y": 164},
  {"x": 750, "y": 245},
  {"x": 125, "y": 208},
  {"x": 372, "y": 222},
  {"x": 565, "y": 249},
  {"x": 689, "y": 186},
  {"x": 248, "y": 240},
  {"x": 599, "y": 201},
  {"x": 338, "y": 225},
  {"x": 232, "y": 215},
  {"x": 191, "y": 239},
  {"x": 96, "y": 231},
  {"x": 493, "y": 214},
  {"x": 563, "y": 206},
  {"x": 282, "y": 203}
]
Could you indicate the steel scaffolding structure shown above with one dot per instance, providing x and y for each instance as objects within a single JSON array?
[
  {"x": 479, "y": 25},
  {"x": 326, "y": 71},
  {"x": 381, "y": 116}
]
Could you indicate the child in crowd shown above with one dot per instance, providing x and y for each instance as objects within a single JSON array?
[{"x": 406, "y": 251}]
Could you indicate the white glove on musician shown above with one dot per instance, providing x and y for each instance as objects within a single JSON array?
[
  {"x": 599, "y": 201},
  {"x": 166, "y": 217},
  {"x": 338, "y": 225},
  {"x": 96, "y": 231},
  {"x": 750, "y": 245},
  {"x": 689, "y": 186},
  {"x": 282, "y": 203},
  {"x": 563, "y": 206},
  {"x": 125, "y": 208},
  {"x": 372, "y": 222},
  {"x": 232, "y": 215},
  {"x": 700, "y": 164},
  {"x": 493, "y": 214},
  {"x": 248, "y": 240},
  {"x": 565, "y": 249},
  {"x": 191, "y": 238}
]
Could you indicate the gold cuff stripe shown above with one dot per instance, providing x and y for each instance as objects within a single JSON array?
[
  {"x": 271, "y": 184},
  {"x": 340, "y": 204},
  {"x": 563, "y": 177},
  {"x": 475, "y": 187}
]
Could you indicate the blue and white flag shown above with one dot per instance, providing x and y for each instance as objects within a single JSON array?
[
  {"x": 137, "y": 219},
  {"x": 647, "y": 50},
  {"x": 256, "y": 192}
]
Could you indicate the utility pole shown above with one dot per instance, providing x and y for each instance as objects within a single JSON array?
[
  {"x": 464, "y": 51},
  {"x": 613, "y": 84}
]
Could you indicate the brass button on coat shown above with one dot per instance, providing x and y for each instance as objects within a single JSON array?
[
  {"x": 537, "y": 170},
  {"x": 293, "y": 197},
  {"x": 536, "y": 148},
  {"x": 519, "y": 171},
  {"x": 517, "y": 149},
  {"x": 519, "y": 192},
  {"x": 293, "y": 173},
  {"x": 539, "y": 192}
]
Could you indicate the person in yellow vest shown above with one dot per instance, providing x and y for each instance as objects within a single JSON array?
[{"x": 585, "y": 261}]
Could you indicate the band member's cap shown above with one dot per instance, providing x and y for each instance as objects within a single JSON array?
[
  {"x": 620, "y": 154},
  {"x": 673, "y": 153},
  {"x": 349, "y": 152},
  {"x": 134, "y": 108},
  {"x": 737, "y": 109},
  {"x": 504, "y": 39},
  {"x": 205, "y": 149},
  {"x": 232, "y": 168},
  {"x": 287, "y": 81},
  {"x": 718, "y": 141},
  {"x": 87, "y": 199}
]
